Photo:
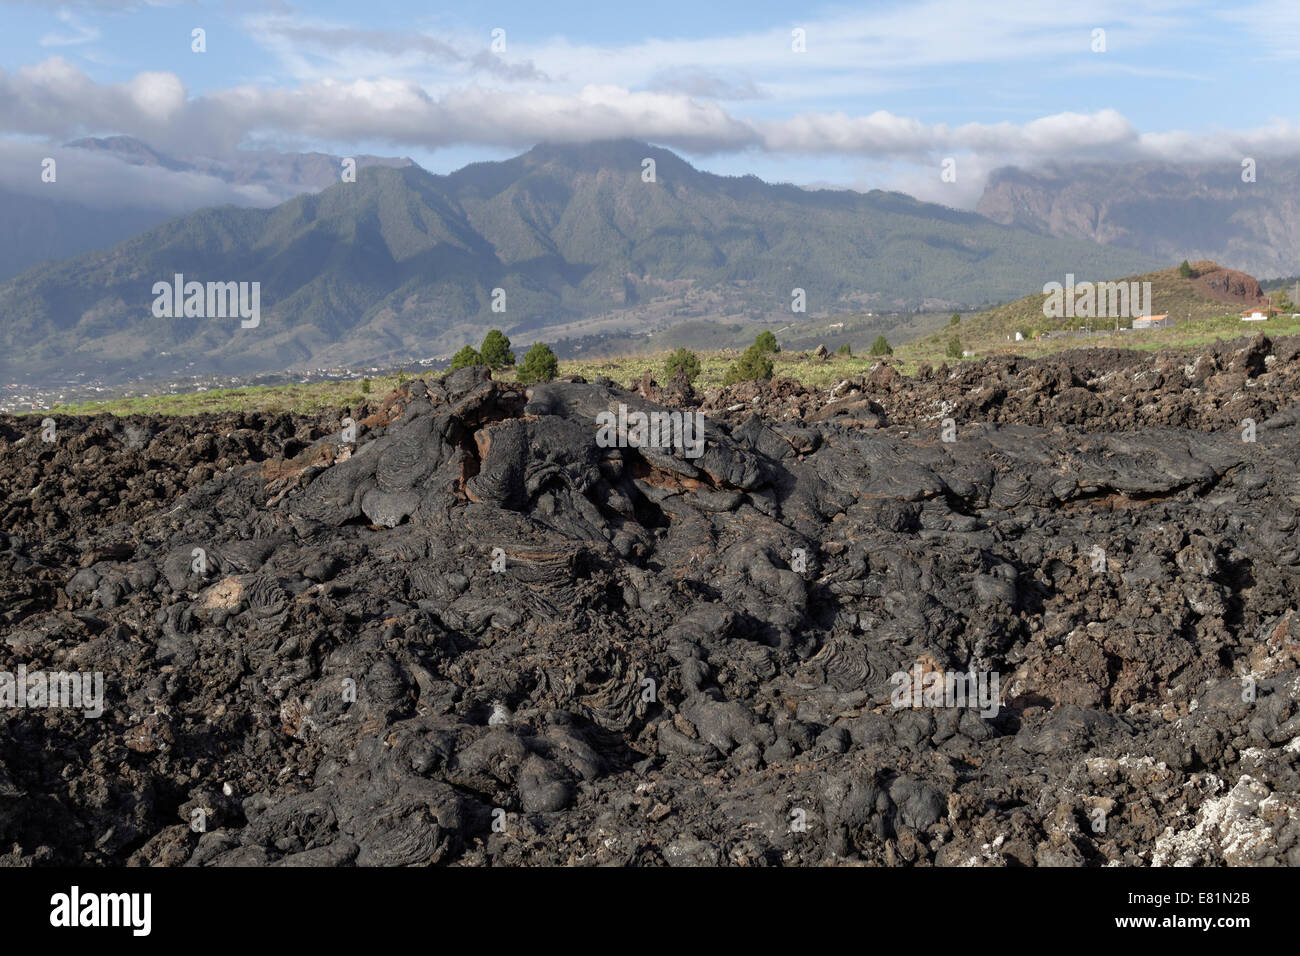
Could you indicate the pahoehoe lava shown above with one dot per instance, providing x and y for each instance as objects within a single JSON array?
[{"x": 475, "y": 637}]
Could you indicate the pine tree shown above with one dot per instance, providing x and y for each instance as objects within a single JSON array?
[
  {"x": 539, "y": 365},
  {"x": 496, "y": 349},
  {"x": 466, "y": 356},
  {"x": 753, "y": 365},
  {"x": 687, "y": 361}
]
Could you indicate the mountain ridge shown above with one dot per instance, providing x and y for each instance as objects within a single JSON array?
[
  {"x": 402, "y": 263},
  {"x": 1168, "y": 210}
]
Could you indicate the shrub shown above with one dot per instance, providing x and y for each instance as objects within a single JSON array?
[
  {"x": 753, "y": 365},
  {"x": 466, "y": 356},
  {"x": 845, "y": 350},
  {"x": 539, "y": 365},
  {"x": 954, "y": 347},
  {"x": 687, "y": 361},
  {"x": 881, "y": 346},
  {"x": 1185, "y": 270},
  {"x": 766, "y": 342},
  {"x": 365, "y": 386},
  {"x": 955, "y": 320},
  {"x": 496, "y": 349}
]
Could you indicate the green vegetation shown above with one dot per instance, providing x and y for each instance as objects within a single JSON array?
[
  {"x": 754, "y": 365},
  {"x": 466, "y": 356},
  {"x": 270, "y": 399},
  {"x": 994, "y": 330},
  {"x": 365, "y": 386},
  {"x": 1199, "y": 320},
  {"x": 733, "y": 250},
  {"x": 1185, "y": 270},
  {"x": 714, "y": 368},
  {"x": 955, "y": 320},
  {"x": 494, "y": 353},
  {"x": 539, "y": 365},
  {"x": 684, "y": 360},
  {"x": 703, "y": 337},
  {"x": 496, "y": 349},
  {"x": 1184, "y": 335},
  {"x": 766, "y": 342},
  {"x": 881, "y": 346}
]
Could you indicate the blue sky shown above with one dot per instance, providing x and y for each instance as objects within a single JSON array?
[{"x": 883, "y": 93}]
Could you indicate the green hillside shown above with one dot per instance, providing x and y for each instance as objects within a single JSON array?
[
  {"x": 402, "y": 264},
  {"x": 1196, "y": 311}
]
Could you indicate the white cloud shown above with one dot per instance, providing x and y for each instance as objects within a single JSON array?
[
  {"x": 82, "y": 32},
  {"x": 884, "y": 134},
  {"x": 880, "y": 47},
  {"x": 159, "y": 97},
  {"x": 1273, "y": 24},
  {"x": 1280, "y": 138},
  {"x": 103, "y": 181},
  {"x": 55, "y": 99},
  {"x": 312, "y": 50},
  {"x": 927, "y": 184}
]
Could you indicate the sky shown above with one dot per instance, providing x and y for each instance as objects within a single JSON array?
[{"x": 879, "y": 95}]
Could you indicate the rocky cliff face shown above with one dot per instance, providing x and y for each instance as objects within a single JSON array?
[
  {"x": 1227, "y": 284},
  {"x": 1170, "y": 211}
]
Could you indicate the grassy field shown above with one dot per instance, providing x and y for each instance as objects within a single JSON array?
[
  {"x": 260, "y": 398},
  {"x": 1200, "y": 317},
  {"x": 321, "y": 395},
  {"x": 1197, "y": 333},
  {"x": 989, "y": 333},
  {"x": 802, "y": 366}
]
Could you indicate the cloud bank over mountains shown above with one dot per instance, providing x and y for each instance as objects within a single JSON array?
[
  {"x": 867, "y": 98},
  {"x": 56, "y": 99}
]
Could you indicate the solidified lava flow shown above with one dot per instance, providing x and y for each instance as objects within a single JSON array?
[{"x": 469, "y": 634}]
